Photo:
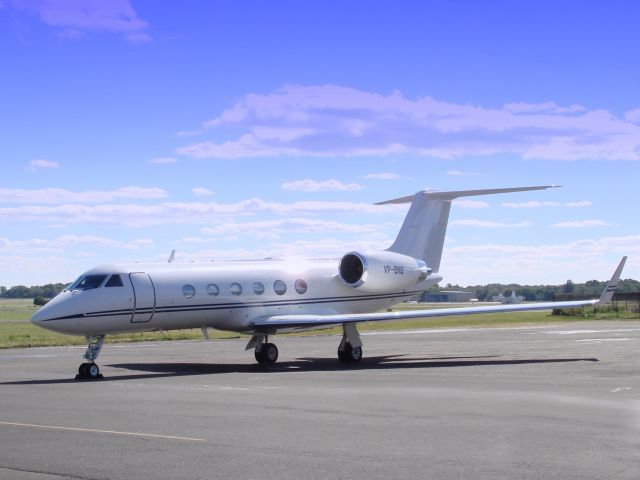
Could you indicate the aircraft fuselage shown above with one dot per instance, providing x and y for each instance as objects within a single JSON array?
[{"x": 221, "y": 295}]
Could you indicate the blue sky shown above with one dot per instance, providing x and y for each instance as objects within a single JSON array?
[{"x": 253, "y": 129}]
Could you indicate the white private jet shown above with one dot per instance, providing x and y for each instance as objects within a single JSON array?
[{"x": 266, "y": 297}]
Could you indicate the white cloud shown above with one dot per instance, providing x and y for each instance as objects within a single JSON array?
[
  {"x": 329, "y": 120},
  {"x": 383, "y": 176},
  {"x": 536, "y": 204},
  {"x": 546, "y": 263},
  {"x": 578, "y": 204},
  {"x": 470, "y": 203},
  {"x": 547, "y": 107},
  {"x": 315, "y": 186},
  {"x": 202, "y": 192},
  {"x": 37, "y": 245},
  {"x": 38, "y": 164},
  {"x": 288, "y": 225},
  {"x": 74, "y": 17},
  {"x": 59, "y": 195},
  {"x": 582, "y": 224},
  {"x": 633, "y": 115},
  {"x": 136, "y": 215},
  {"x": 489, "y": 224},
  {"x": 459, "y": 173},
  {"x": 163, "y": 160},
  {"x": 189, "y": 133}
]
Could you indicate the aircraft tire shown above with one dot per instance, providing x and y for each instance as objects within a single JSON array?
[
  {"x": 270, "y": 353},
  {"x": 267, "y": 353},
  {"x": 349, "y": 354},
  {"x": 82, "y": 370},
  {"x": 93, "y": 371}
]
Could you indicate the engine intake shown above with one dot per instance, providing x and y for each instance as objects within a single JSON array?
[{"x": 381, "y": 271}]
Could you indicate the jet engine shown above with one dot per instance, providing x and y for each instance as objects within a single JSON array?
[{"x": 381, "y": 271}]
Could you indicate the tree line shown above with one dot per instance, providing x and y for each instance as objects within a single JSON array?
[
  {"x": 49, "y": 290},
  {"x": 541, "y": 293}
]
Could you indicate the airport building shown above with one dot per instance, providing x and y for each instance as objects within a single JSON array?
[{"x": 455, "y": 296}]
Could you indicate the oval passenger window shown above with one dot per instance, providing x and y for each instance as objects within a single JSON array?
[
  {"x": 188, "y": 291},
  {"x": 301, "y": 286},
  {"x": 280, "y": 287}
]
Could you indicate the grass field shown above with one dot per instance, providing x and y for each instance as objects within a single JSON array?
[{"x": 17, "y": 331}]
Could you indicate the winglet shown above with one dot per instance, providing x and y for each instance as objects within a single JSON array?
[
  {"x": 172, "y": 256},
  {"x": 610, "y": 289}
]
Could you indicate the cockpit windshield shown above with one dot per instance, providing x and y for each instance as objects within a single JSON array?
[{"x": 87, "y": 282}]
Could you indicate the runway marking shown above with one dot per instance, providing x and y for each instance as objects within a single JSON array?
[
  {"x": 576, "y": 332},
  {"x": 111, "y": 432},
  {"x": 599, "y": 340},
  {"x": 616, "y": 390}
]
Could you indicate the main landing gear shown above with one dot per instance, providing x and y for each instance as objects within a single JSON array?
[
  {"x": 89, "y": 370},
  {"x": 265, "y": 352},
  {"x": 350, "y": 348}
]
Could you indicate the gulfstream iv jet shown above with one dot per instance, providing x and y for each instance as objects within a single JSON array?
[{"x": 263, "y": 298}]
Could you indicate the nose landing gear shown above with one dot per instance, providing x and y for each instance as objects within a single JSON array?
[{"x": 91, "y": 371}]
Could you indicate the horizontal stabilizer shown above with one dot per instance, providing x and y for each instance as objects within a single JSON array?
[
  {"x": 424, "y": 228},
  {"x": 464, "y": 193}
]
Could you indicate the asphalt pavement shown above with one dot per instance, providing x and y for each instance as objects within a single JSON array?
[{"x": 542, "y": 402}]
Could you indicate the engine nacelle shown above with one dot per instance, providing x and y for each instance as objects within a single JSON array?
[{"x": 381, "y": 271}]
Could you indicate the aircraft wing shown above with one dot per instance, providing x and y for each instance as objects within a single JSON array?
[
  {"x": 277, "y": 322},
  {"x": 292, "y": 322}
]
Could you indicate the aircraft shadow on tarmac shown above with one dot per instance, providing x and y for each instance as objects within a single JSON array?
[{"x": 159, "y": 370}]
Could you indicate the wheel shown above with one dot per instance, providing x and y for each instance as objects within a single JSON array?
[
  {"x": 259, "y": 354},
  {"x": 270, "y": 353},
  {"x": 348, "y": 354},
  {"x": 356, "y": 354},
  {"x": 82, "y": 370},
  {"x": 266, "y": 353},
  {"x": 344, "y": 352},
  {"x": 92, "y": 371}
]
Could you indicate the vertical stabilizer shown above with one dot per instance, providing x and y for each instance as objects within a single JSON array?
[{"x": 425, "y": 226}]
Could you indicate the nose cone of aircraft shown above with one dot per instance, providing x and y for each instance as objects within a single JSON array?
[
  {"x": 41, "y": 315},
  {"x": 55, "y": 308}
]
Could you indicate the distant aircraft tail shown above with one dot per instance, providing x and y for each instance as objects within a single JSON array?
[{"x": 422, "y": 233}]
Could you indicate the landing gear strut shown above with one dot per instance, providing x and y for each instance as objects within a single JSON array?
[
  {"x": 89, "y": 370},
  {"x": 265, "y": 352},
  {"x": 350, "y": 348}
]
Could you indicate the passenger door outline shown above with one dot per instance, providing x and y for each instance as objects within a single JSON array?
[{"x": 144, "y": 297}]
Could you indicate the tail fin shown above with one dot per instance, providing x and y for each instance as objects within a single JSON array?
[{"x": 422, "y": 233}]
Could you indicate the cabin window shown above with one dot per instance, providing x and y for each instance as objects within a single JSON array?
[
  {"x": 188, "y": 291},
  {"x": 88, "y": 282},
  {"x": 280, "y": 287},
  {"x": 235, "y": 289},
  {"x": 301, "y": 286},
  {"x": 114, "y": 281},
  {"x": 258, "y": 288},
  {"x": 213, "y": 289}
]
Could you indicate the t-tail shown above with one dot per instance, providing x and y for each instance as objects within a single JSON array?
[{"x": 422, "y": 233}]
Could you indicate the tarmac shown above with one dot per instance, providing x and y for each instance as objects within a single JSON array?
[{"x": 541, "y": 402}]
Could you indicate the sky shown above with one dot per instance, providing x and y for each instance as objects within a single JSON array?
[{"x": 236, "y": 130}]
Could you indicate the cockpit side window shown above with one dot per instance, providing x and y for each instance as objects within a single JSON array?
[
  {"x": 114, "y": 281},
  {"x": 88, "y": 282}
]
